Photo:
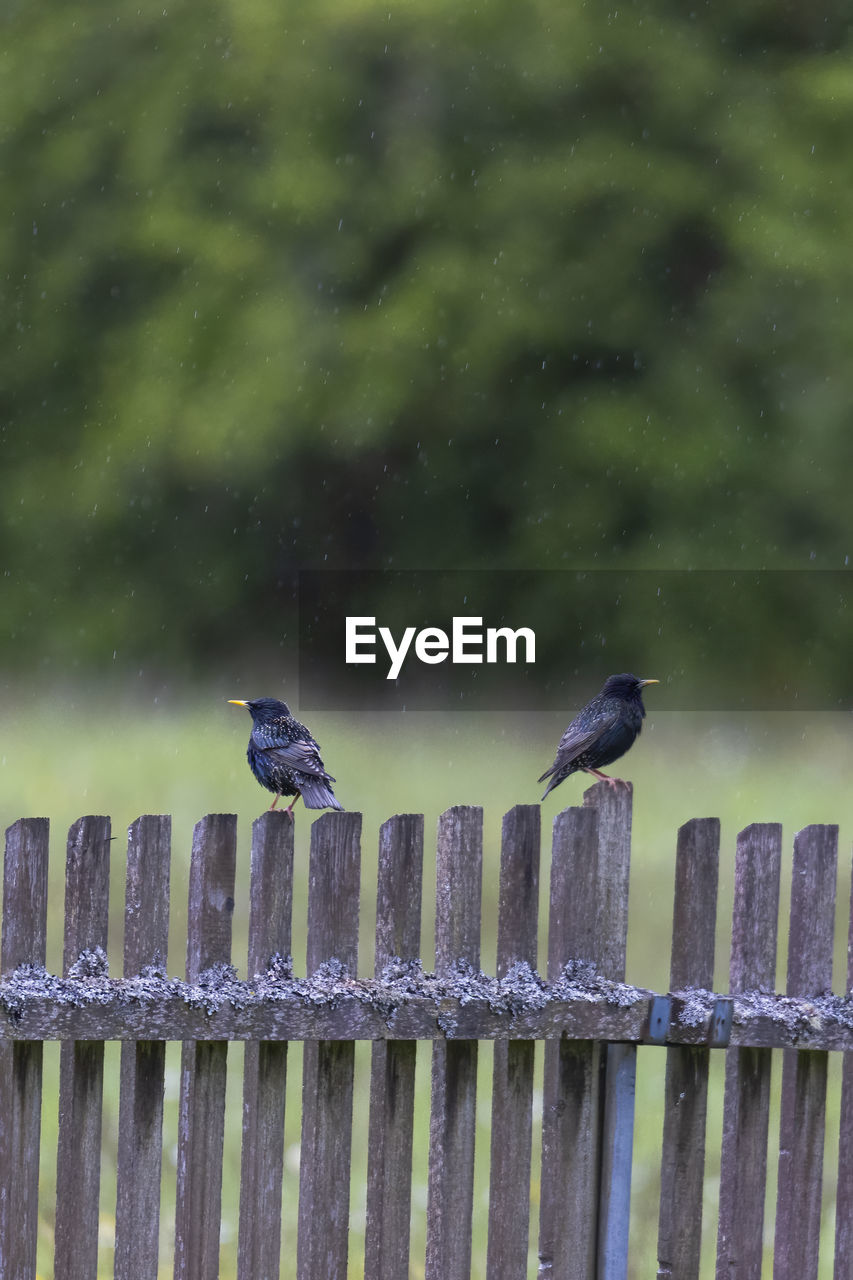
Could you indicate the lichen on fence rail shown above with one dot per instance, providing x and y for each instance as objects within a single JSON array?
[
  {"x": 583, "y": 1011},
  {"x": 404, "y": 1003}
]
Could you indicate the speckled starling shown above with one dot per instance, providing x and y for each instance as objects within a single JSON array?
[
  {"x": 285, "y": 758},
  {"x": 601, "y": 733}
]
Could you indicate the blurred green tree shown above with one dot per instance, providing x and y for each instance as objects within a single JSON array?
[{"x": 525, "y": 285}]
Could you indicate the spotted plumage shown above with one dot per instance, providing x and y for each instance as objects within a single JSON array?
[
  {"x": 601, "y": 733},
  {"x": 285, "y": 758}
]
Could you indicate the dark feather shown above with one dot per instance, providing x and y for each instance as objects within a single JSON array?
[
  {"x": 285, "y": 758},
  {"x": 600, "y": 733}
]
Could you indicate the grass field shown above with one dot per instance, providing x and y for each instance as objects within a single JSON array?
[{"x": 73, "y": 754}]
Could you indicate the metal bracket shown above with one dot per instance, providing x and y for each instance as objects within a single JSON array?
[
  {"x": 660, "y": 1015},
  {"x": 721, "y": 1023}
]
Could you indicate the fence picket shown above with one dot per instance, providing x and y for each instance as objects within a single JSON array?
[
  {"x": 392, "y": 1071},
  {"x": 568, "y": 1206},
  {"x": 590, "y": 1033},
  {"x": 801, "y": 1127},
  {"x": 512, "y": 1087},
  {"x": 686, "y": 1088},
  {"x": 201, "y": 1120},
  {"x": 81, "y": 1062},
  {"x": 746, "y": 1107},
  {"x": 327, "y": 1065},
  {"x": 265, "y": 1062},
  {"x": 23, "y": 942},
  {"x": 614, "y": 805},
  {"x": 140, "y": 1123},
  {"x": 611, "y": 868},
  {"x": 459, "y": 871},
  {"x": 844, "y": 1195}
]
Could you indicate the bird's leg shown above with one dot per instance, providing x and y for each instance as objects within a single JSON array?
[
  {"x": 275, "y": 801},
  {"x": 289, "y": 809},
  {"x": 605, "y": 777}
]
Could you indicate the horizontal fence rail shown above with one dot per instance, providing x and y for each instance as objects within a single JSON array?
[{"x": 589, "y": 1018}]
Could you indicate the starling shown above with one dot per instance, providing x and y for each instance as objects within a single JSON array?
[
  {"x": 601, "y": 733},
  {"x": 285, "y": 758}
]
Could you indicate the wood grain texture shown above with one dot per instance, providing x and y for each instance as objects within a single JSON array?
[
  {"x": 25, "y": 894},
  {"x": 844, "y": 1195},
  {"x": 458, "y": 890},
  {"x": 569, "y": 1185},
  {"x": 518, "y": 893},
  {"x": 399, "y": 890},
  {"x": 201, "y": 1115},
  {"x": 512, "y": 1085},
  {"x": 113, "y": 1010},
  {"x": 81, "y": 1063},
  {"x": 801, "y": 1127},
  {"x": 746, "y": 1106},
  {"x": 201, "y": 1135},
  {"x": 146, "y": 897},
  {"x": 459, "y": 869},
  {"x": 614, "y": 806},
  {"x": 211, "y": 893},
  {"x": 140, "y": 1125},
  {"x": 264, "y": 1063},
  {"x": 392, "y": 1074},
  {"x": 23, "y": 942},
  {"x": 327, "y": 1066},
  {"x": 686, "y": 1086}
]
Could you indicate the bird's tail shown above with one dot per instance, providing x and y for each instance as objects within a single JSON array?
[
  {"x": 556, "y": 777},
  {"x": 317, "y": 794}
]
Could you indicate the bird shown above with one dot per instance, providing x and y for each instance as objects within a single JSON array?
[
  {"x": 285, "y": 758},
  {"x": 601, "y": 733}
]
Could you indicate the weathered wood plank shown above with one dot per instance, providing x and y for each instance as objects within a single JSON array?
[
  {"x": 327, "y": 1066},
  {"x": 399, "y": 890},
  {"x": 801, "y": 1128},
  {"x": 568, "y": 1207},
  {"x": 23, "y": 942},
  {"x": 518, "y": 898},
  {"x": 512, "y": 1088},
  {"x": 844, "y": 1195},
  {"x": 264, "y": 1063},
  {"x": 614, "y": 806},
  {"x": 359, "y": 1012},
  {"x": 459, "y": 876},
  {"x": 201, "y": 1116},
  {"x": 392, "y": 1073},
  {"x": 111, "y": 1009},
  {"x": 459, "y": 870},
  {"x": 25, "y": 894},
  {"x": 746, "y": 1107},
  {"x": 140, "y": 1123},
  {"x": 686, "y": 1087},
  {"x": 146, "y": 897},
  {"x": 612, "y": 867},
  {"x": 81, "y": 1078}
]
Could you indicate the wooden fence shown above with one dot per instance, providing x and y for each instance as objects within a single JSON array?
[{"x": 589, "y": 1019}]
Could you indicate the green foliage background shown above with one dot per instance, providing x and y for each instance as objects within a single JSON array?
[{"x": 520, "y": 285}]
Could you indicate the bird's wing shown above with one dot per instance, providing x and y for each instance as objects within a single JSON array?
[
  {"x": 302, "y": 755},
  {"x": 579, "y": 738},
  {"x": 573, "y": 742}
]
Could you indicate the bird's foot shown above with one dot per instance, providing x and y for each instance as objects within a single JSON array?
[
  {"x": 613, "y": 783},
  {"x": 289, "y": 809}
]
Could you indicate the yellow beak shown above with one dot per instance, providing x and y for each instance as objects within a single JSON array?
[
  {"x": 238, "y": 702},
  {"x": 642, "y": 682}
]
